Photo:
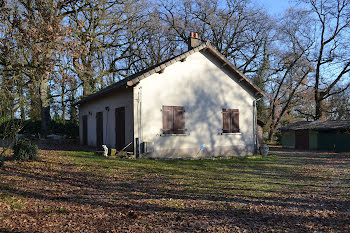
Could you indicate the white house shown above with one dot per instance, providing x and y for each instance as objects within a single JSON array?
[{"x": 196, "y": 104}]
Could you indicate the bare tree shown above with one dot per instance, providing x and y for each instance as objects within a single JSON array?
[
  {"x": 156, "y": 43},
  {"x": 235, "y": 28},
  {"x": 338, "y": 106},
  {"x": 104, "y": 35},
  {"x": 40, "y": 33},
  {"x": 9, "y": 98},
  {"x": 291, "y": 66},
  {"x": 331, "y": 53}
]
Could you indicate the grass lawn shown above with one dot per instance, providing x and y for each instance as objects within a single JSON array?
[{"x": 79, "y": 192}]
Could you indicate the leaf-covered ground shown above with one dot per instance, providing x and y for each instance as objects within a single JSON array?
[{"x": 79, "y": 192}]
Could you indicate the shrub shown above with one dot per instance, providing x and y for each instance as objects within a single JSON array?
[
  {"x": 10, "y": 127},
  {"x": 278, "y": 137},
  {"x": 25, "y": 150},
  {"x": 31, "y": 127},
  {"x": 57, "y": 126},
  {"x": 1, "y": 160}
]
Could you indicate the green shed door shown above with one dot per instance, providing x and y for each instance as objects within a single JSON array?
[
  {"x": 313, "y": 137},
  {"x": 302, "y": 139},
  {"x": 288, "y": 139}
]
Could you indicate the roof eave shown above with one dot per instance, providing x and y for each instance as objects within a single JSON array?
[
  {"x": 102, "y": 92},
  {"x": 161, "y": 67},
  {"x": 258, "y": 92},
  {"x": 132, "y": 81}
]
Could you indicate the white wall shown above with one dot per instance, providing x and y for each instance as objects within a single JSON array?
[
  {"x": 123, "y": 98},
  {"x": 203, "y": 88}
]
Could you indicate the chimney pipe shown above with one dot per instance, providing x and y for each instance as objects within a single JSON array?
[{"x": 193, "y": 41}]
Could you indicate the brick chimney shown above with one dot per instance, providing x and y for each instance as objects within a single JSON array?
[{"x": 193, "y": 41}]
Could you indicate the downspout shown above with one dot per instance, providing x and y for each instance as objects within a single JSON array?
[
  {"x": 139, "y": 118},
  {"x": 255, "y": 125},
  {"x": 106, "y": 131}
]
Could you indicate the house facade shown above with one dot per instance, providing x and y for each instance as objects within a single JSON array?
[{"x": 194, "y": 105}]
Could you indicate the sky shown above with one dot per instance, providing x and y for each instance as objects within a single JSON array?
[{"x": 274, "y": 6}]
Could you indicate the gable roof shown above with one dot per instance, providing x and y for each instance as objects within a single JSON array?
[
  {"x": 318, "y": 125},
  {"x": 158, "y": 68}
]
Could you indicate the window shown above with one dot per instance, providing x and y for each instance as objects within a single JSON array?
[
  {"x": 230, "y": 120},
  {"x": 173, "y": 120}
]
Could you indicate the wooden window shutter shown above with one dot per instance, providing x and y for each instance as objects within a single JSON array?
[
  {"x": 226, "y": 121},
  {"x": 168, "y": 116},
  {"x": 235, "y": 121},
  {"x": 179, "y": 120}
]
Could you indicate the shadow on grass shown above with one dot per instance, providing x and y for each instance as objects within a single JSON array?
[{"x": 239, "y": 186}]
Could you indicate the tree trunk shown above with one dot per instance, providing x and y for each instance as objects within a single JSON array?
[
  {"x": 318, "y": 109},
  {"x": 272, "y": 124},
  {"x": 34, "y": 113},
  {"x": 21, "y": 101},
  {"x": 318, "y": 106},
  {"x": 86, "y": 87},
  {"x": 45, "y": 106},
  {"x": 23, "y": 113},
  {"x": 63, "y": 106},
  {"x": 72, "y": 108},
  {"x": 73, "y": 111},
  {"x": 12, "y": 108},
  {"x": 271, "y": 131}
]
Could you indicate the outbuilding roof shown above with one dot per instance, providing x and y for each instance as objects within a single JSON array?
[
  {"x": 159, "y": 68},
  {"x": 318, "y": 125}
]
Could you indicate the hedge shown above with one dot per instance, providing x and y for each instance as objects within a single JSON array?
[{"x": 58, "y": 127}]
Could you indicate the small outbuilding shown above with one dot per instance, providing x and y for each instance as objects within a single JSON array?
[{"x": 317, "y": 135}]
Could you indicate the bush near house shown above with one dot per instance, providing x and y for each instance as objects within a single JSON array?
[{"x": 25, "y": 150}]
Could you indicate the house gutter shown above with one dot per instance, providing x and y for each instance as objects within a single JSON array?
[
  {"x": 255, "y": 125},
  {"x": 139, "y": 103}
]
